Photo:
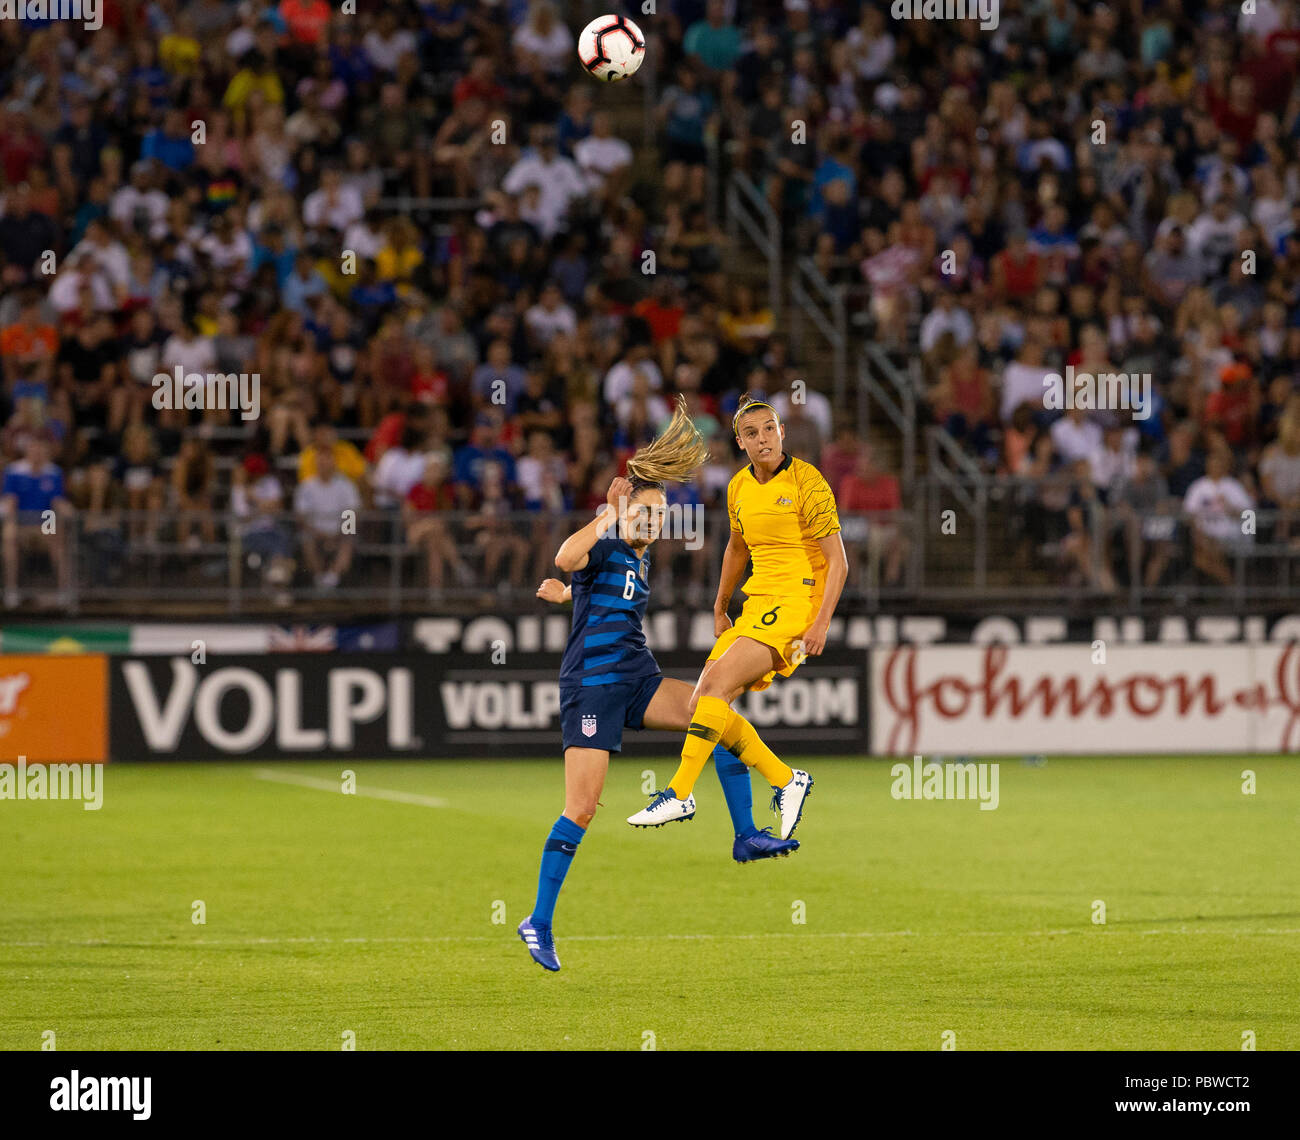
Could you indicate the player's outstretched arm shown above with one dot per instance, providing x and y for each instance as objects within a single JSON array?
[
  {"x": 837, "y": 572},
  {"x": 573, "y": 551},
  {"x": 734, "y": 562},
  {"x": 554, "y": 591}
]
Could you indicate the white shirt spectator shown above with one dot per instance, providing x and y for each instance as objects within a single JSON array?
[
  {"x": 65, "y": 293},
  {"x": 1262, "y": 22},
  {"x": 1273, "y": 216},
  {"x": 111, "y": 257},
  {"x": 1074, "y": 441},
  {"x": 871, "y": 57},
  {"x": 347, "y": 207},
  {"x": 248, "y": 500},
  {"x": 240, "y": 42},
  {"x": 552, "y": 50},
  {"x": 600, "y": 158},
  {"x": 817, "y": 406},
  {"x": 127, "y": 200},
  {"x": 1022, "y": 383},
  {"x": 363, "y": 241},
  {"x": 1207, "y": 236},
  {"x": 532, "y": 473},
  {"x": 620, "y": 379},
  {"x": 195, "y": 354},
  {"x": 322, "y": 503},
  {"x": 544, "y": 323},
  {"x": 939, "y": 321},
  {"x": 559, "y": 182},
  {"x": 237, "y": 253},
  {"x": 385, "y": 52},
  {"x": 397, "y": 471},
  {"x": 1110, "y": 465},
  {"x": 657, "y": 410},
  {"x": 1217, "y": 505}
]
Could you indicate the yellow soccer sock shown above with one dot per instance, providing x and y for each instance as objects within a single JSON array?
[
  {"x": 707, "y": 723},
  {"x": 744, "y": 743}
]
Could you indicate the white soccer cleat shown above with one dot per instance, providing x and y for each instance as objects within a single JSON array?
[
  {"x": 665, "y": 807},
  {"x": 788, "y": 802}
]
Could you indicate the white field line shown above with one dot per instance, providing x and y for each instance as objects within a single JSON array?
[
  {"x": 506, "y": 931},
  {"x": 333, "y": 786}
]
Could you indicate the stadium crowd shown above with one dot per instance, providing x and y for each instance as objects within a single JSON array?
[{"x": 240, "y": 189}]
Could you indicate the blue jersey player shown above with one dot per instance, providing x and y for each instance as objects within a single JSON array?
[{"x": 610, "y": 681}]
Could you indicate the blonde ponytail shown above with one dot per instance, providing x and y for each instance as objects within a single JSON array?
[{"x": 676, "y": 455}]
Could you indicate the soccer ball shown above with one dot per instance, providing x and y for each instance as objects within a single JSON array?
[{"x": 611, "y": 48}]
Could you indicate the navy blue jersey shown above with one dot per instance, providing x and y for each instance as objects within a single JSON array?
[{"x": 606, "y": 643}]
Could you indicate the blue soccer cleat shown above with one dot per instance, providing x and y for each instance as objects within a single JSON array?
[
  {"x": 540, "y": 943},
  {"x": 764, "y": 845}
]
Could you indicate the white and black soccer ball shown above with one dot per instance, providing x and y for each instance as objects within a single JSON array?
[{"x": 611, "y": 48}]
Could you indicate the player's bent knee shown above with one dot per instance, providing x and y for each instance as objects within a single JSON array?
[{"x": 582, "y": 816}]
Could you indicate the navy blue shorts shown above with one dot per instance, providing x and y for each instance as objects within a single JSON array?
[{"x": 594, "y": 716}]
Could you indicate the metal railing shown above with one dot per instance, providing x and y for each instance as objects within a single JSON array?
[
  {"x": 217, "y": 562},
  {"x": 895, "y": 392},
  {"x": 822, "y": 304},
  {"x": 749, "y": 211},
  {"x": 1028, "y": 548},
  {"x": 951, "y": 470}
]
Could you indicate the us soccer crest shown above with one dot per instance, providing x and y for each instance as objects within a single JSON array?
[{"x": 588, "y": 726}]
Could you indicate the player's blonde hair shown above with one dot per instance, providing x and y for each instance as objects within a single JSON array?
[
  {"x": 748, "y": 404},
  {"x": 676, "y": 455}
]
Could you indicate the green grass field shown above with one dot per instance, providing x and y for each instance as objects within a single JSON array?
[{"x": 328, "y": 913}]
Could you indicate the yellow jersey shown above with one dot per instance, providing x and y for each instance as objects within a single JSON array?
[{"x": 781, "y": 521}]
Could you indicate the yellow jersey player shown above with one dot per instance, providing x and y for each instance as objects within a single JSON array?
[{"x": 783, "y": 515}]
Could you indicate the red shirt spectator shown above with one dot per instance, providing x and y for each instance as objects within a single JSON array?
[
  {"x": 428, "y": 499},
  {"x": 870, "y": 491},
  {"x": 1017, "y": 270},
  {"x": 20, "y": 148},
  {"x": 306, "y": 20},
  {"x": 1234, "y": 408},
  {"x": 665, "y": 321}
]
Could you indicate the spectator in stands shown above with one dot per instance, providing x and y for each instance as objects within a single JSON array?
[
  {"x": 557, "y": 178},
  {"x": 193, "y": 486},
  {"x": 1279, "y": 473},
  {"x": 1216, "y": 502},
  {"x": 257, "y": 499},
  {"x": 1144, "y": 511},
  {"x": 1024, "y": 381},
  {"x": 399, "y": 468},
  {"x": 347, "y": 460},
  {"x": 326, "y": 503},
  {"x": 604, "y": 160},
  {"x": 495, "y": 534},
  {"x": 426, "y": 531},
  {"x": 36, "y": 515},
  {"x": 963, "y": 401},
  {"x": 484, "y": 448},
  {"x": 1077, "y": 437},
  {"x": 876, "y": 493},
  {"x": 138, "y": 475},
  {"x": 687, "y": 112}
]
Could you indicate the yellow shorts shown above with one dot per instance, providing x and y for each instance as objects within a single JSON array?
[{"x": 775, "y": 621}]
